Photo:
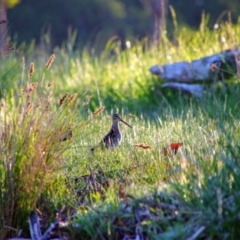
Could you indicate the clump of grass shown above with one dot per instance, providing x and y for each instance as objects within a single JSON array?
[{"x": 33, "y": 136}]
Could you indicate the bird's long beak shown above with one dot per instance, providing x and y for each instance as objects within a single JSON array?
[{"x": 124, "y": 122}]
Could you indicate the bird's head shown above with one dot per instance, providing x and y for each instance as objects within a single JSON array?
[{"x": 116, "y": 117}]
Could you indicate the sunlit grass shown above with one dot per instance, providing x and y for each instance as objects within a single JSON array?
[
  {"x": 198, "y": 170},
  {"x": 121, "y": 79},
  {"x": 78, "y": 84}
]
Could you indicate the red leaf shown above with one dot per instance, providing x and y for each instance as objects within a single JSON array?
[{"x": 173, "y": 146}]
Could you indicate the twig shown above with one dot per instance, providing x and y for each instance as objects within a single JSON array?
[
  {"x": 197, "y": 233},
  {"x": 34, "y": 226}
]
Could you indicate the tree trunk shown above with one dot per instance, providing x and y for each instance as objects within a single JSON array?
[
  {"x": 159, "y": 8},
  {"x": 3, "y": 26}
]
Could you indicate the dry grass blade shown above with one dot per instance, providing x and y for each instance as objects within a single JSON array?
[
  {"x": 50, "y": 61},
  {"x": 97, "y": 112},
  {"x": 143, "y": 146}
]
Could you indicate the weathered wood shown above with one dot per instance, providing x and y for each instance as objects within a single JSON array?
[
  {"x": 197, "y": 70},
  {"x": 193, "y": 89},
  {"x": 35, "y": 230},
  {"x": 189, "y": 76}
]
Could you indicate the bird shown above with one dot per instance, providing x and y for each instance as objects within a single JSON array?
[{"x": 114, "y": 137}]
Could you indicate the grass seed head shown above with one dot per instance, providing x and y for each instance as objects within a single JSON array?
[
  {"x": 50, "y": 61},
  {"x": 72, "y": 99},
  {"x": 97, "y": 112},
  {"x": 63, "y": 99},
  {"x": 31, "y": 70}
]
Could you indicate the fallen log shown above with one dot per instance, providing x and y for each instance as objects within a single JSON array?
[{"x": 190, "y": 76}]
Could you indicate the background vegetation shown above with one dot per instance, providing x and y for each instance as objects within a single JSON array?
[{"x": 96, "y": 21}]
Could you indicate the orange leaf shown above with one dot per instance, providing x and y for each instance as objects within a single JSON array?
[
  {"x": 176, "y": 145},
  {"x": 172, "y": 146}
]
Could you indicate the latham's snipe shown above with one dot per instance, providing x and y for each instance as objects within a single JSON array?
[{"x": 114, "y": 137}]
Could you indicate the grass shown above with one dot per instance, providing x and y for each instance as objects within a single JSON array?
[{"x": 46, "y": 162}]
